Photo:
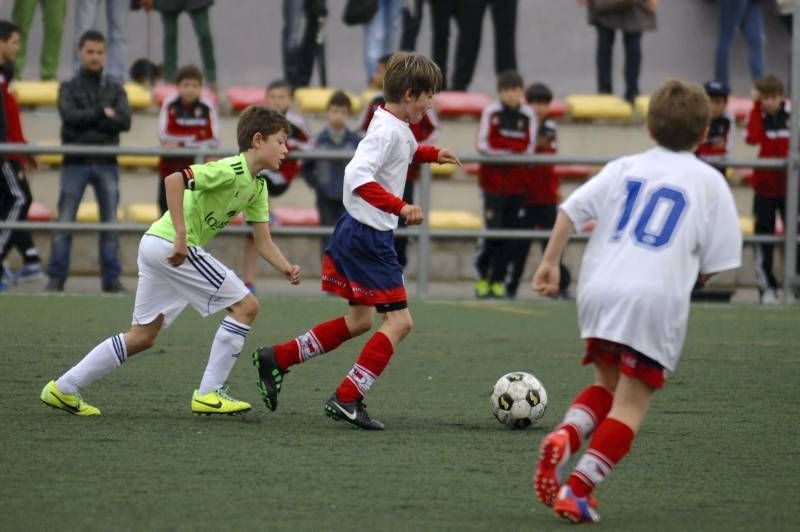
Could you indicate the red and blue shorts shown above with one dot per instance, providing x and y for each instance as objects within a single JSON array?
[
  {"x": 360, "y": 265},
  {"x": 629, "y": 361}
]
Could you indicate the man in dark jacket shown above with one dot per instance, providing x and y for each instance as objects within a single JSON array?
[{"x": 94, "y": 110}]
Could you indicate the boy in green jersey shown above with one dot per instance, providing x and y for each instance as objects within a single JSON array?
[{"x": 175, "y": 270}]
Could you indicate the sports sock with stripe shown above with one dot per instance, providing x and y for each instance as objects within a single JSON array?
[
  {"x": 586, "y": 412},
  {"x": 610, "y": 443},
  {"x": 323, "y": 338},
  {"x": 225, "y": 352},
  {"x": 107, "y": 355},
  {"x": 370, "y": 364}
]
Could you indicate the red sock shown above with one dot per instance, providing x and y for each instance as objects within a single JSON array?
[
  {"x": 610, "y": 443},
  {"x": 323, "y": 338},
  {"x": 370, "y": 364},
  {"x": 588, "y": 410}
]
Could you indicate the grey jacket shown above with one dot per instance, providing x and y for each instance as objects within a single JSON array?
[{"x": 633, "y": 20}]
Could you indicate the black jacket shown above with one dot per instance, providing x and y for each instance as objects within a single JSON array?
[{"x": 81, "y": 101}]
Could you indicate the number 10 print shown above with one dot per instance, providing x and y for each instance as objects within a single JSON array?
[{"x": 673, "y": 203}]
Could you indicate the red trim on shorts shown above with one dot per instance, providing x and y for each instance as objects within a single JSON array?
[
  {"x": 629, "y": 361},
  {"x": 334, "y": 282}
]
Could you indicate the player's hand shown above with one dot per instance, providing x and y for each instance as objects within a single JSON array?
[
  {"x": 412, "y": 214},
  {"x": 293, "y": 274},
  {"x": 446, "y": 156},
  {"x": 545, "y": 280},
  {"x": 179, "y": 253}
]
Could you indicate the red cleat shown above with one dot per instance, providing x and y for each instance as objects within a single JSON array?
[
  {"x": 550, "y": 472},
  {"x": 575, "y": 509}
]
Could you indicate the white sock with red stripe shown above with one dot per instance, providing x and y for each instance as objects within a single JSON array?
[
  {"x": 587, "y": 411},
  {"x": 610, "y": 444},
  {"x": 225, "y": 350},
  {"x": 107, "y": 355}
]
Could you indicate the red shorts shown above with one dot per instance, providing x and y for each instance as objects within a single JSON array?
[{"x": 629, "y": 361}]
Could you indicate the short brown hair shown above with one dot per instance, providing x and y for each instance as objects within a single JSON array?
[
  {"x": 189, "y": 72},
  {"x": 258, "y": 119},
  {"x": 678, "y": 115},
  {"x": 410, "y": 71},
  {"x": 340, "y": 99},
  {"x": 509, "y": 79},
  {"x": 770, "y": 85}
]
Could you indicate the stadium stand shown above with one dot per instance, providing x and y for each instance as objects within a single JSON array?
[{"x": 598, "y": 106}]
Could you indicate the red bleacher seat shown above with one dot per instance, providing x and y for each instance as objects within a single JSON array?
[
  {"x": 40, "y": 213},
  {"x": 557, "y": 109},
  {"x": 162, "y": 92},
  {"x": 747, "y": 176},
  {"x": 241, "y": 97},
  {"x": 295, "y": 216},
  {"x": 574, "y": 171},
  {"x": 739, "y": 107},
  {"x": 472, "y": 168},
  {"x": 455, "y": 103}
]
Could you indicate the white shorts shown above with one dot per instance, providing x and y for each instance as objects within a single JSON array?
[{"x": 201, "y": 281}]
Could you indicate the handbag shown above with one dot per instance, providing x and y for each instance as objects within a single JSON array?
[
  {"x": 612, "y": 6},
  {"x": 359, "y": 11}
]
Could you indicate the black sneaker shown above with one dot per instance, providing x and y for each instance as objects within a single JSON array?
[
  {"x": 55, "y": 284},
  {"x": 114, "y": 287},
  {"x": 270, "y": 376},
  {"x": 354, "y": 413}
]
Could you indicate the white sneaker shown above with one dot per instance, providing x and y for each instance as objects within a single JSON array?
[{"x": 769, "y": 297}]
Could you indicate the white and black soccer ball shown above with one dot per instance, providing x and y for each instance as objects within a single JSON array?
[{"x": 518, "y": 400}]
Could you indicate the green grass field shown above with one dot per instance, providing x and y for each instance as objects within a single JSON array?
[{"x": 718, "y": 452}]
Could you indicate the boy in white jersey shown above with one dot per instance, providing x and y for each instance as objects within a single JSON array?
[
  {"x": 175, "y": 271},
  {"x": 664, "y": 219},
  {"x": 360, "y": 263}
]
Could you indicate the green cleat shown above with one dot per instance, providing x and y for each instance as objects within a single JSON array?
[
  {"x": 218, "y": 402},
  {"x": 68, "y": 402}
]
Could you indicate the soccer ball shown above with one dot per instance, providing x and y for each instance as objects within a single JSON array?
[{"x": 518, "y": 400}]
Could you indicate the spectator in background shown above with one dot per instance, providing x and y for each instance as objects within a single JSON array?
[
  {"x": 507, "y": 126},
  {"x": 327, "y": 177},
  {"x": 745, "y": 15},
  {"x": 53, "y": 14},
  {"x": 768, "y": 128},
  {"x": 94, "y": 110},
  {"x": 412, "y": 22},
  {"x": 721, "y": 129},
  {"x": 381, "y": 34},
  {"x": 86, "y": 19},
  {"x": 198, "y": 13},
  {"x": 15, "y": 193},
  {"x": 186, "y": 120},
  {"x": 469, "y": 15},
  {"x": 425, "y": 132},
  {"x": 541, "y": 192},
  {"x": 631, "y": 20},
  {"x": 145, "y": 73},
  {"x": 302, "y": 22},
  {"x": 441, "y": 13}
]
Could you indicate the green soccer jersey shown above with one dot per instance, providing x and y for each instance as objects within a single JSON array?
[{"x": 215, "y": 193}]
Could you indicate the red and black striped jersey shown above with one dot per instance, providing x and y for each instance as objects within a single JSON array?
[
  {"x": 504, "y": 130},
  {"x": 189, "y": 125},
  {"x": 542, "y": 182}
]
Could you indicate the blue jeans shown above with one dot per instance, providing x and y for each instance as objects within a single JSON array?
[
  {"x": 86, "y": 19},
  {"x": 105, "y": 181},
  {"x": 746, "y": 15},
  {"x": 381, "y": 34}
]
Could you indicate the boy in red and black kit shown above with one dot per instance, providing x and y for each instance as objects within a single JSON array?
[
  {"x": 15, "y": 192},
  {"x": 186, "y": 120},
  {"x": 506, "y": 126},
  {"x": 722, "y": 128},
  {"x": 425, "y": 132},
  {"x": 541, "y": 191},
  {"x": 768, "y": 127}
]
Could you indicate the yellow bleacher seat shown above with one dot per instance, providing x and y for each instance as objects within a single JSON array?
[
  {"x": 454, "y": 219},
  {"x": 35, "y": 92},
  {"x": 747, "y": 225},
  {"x": 315, "y": 99},
  {"x": 138, "y": 97},
  {"x": 442, "y": 170},
  {"x": 642, "y": 103},
  {"x": 50, "y": 159},
  {"x": 368, "y": 95},
  {"x": 89, "y": 212},
  {"x": 137, "y": 161},
  {"x": 598, "y": 106},
  {"x": 143, "y": 213}
]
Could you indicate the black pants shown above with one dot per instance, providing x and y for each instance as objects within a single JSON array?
[
  {"x": 15, "y": 200},
  {"x": 534, "y": 217},
  {"x": 441, "y": 13},
  {"x": 765, "y": 211},
  {"x": 330, "y": 210},
  {"x": 469, "y": 15},
  {"x": 401, "y": 242},
  {"x": 412, "y": 21},
  {"x": 494, "y": 254},
  {"x": 299, "y": 41},
  {"x": 633, "y": 61}
]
